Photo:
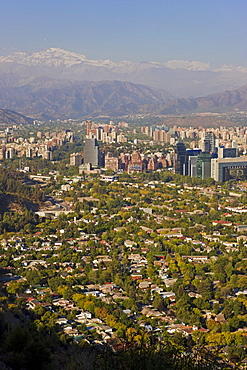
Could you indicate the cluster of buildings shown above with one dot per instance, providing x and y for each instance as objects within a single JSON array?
[
  {"x": 94, "y": 158},
  {"x": 212, "y": 152},
  {"x": 224, "y": 136},
  {"x": 215, "y": 154},
  {"x": 40, "y": 146},
  {"x": 137, "y": 162},
  {"x": 106, "y": 133},
  {"x": 209, "y": 160},
  {"x": 220, "y": 163}
]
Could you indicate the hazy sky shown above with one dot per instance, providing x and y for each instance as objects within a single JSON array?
[{"x": 213, "y": 31}]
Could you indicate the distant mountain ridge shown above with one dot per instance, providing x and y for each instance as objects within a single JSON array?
[
  {"x": 225, "y": 101},
  {"x": 182, "y": 78},
  {"x": 58, "y": 57},
  {"x": 56, "y": 83},
  {"x": 46, "y": 98}
]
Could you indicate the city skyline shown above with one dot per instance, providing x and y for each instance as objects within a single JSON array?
[{"x": 211, "y": 32}]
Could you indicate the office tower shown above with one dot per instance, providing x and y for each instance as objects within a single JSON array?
[
  {"x": 92, "y": 153},
  {"x": 180, "y": 158},
  {"x": 225, "y": 169},
  {"x": 210, "y": 137},
  {"x": 190, "y": 161},
  {"x": 203, "y": 165},
  {"x": 205, "y": 145}
]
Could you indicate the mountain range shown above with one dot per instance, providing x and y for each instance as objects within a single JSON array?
[
  {"x": 46, "y": 98},
  {"x": 40, "y": 85},
  {"x": 182, "y": 78}
]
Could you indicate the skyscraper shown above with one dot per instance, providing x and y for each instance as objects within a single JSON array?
[
  {"x": 210, "y": 138},
  {"x": 190, "y": 161},
  {"x": 92, "y": 153},
  {"x": 203, "y": 165},
  {"x": 180, "y": 158}
]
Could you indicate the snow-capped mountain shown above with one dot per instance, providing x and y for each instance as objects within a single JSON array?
[
  {"x": 183, "y": 78},
  {"x": 53, "y": 57},
  {"x": 57, "y": 57}
]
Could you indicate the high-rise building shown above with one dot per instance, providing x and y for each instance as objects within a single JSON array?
[
  {"x": 92, "y": 153},
  {"x": 29, "y": 152},
  {"x": 159, "y": 135},
  {"x": 205, "y": 145},
  {"x": 152, "y": 164},
  {"x": 10, "y": 152},
  {"x": 190, "y": 161},
  {"x": 2, "y": 153},
  {"x": 203, "y": 165},
  {"x": 210, "y": 137},
  {"x": 135, "y": 164},
  {"x": 180, "y": 158},
  {"x": 88, "y": 126}
]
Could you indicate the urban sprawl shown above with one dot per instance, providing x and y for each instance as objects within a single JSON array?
[{"x": 123, "y": 237}]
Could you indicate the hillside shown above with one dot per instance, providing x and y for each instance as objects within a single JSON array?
[
  {"x": 16, "y": 195},
  {"x": 15, "y": 203},
  {"x": 8, "y": 117}
]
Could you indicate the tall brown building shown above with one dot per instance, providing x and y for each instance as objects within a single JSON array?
[
  {"x": 111, "y": 163},
  {"x": 135, "y": 163},
  {"x": 152, "y": 164},
  {"x": 159, "y": 135},
  {"x": 88, "y": 127}
]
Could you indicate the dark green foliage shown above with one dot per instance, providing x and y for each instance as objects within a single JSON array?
[
  {"x": 159, "y": 356},
  {"x": 25, "y": 350},
  {"x": 13, "y": 182},
  {"x": 13, "y": 189},
  {"x": 12, "y": 221}
]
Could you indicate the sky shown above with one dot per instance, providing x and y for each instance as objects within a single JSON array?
[{"x": 210, "y": 31}]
